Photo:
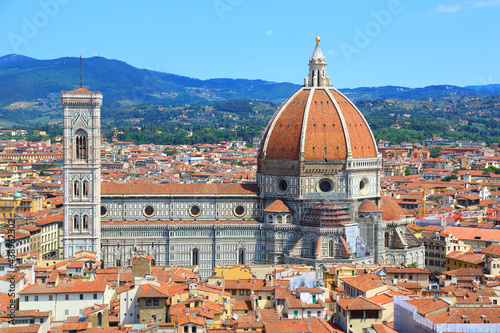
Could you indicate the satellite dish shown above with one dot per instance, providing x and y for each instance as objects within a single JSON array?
[{"x": 235, "y": 316}]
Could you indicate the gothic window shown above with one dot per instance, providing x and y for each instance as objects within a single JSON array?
[
  {"x": 195, "y": 260},
  {"x": 386, "y": 239},
  {"x": 118, "y": 263},
  {"x": 81, "y": 145},
  {"x": 331, "y": 249},
  {"x": 85, "y": 188},
  {"x": 85, "y": 222},
  {"x": 76, "y": 189},
  {"x": 313, "y": 248},
  {"x": 76, "y": 222},
  {"x": 241, "y": 256}
]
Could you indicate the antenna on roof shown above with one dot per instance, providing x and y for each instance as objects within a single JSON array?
[{"x": 81, "y": 78}]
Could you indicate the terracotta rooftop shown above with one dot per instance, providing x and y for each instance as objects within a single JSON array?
[
  {"x": 278, "y": 206},
  {"x": 364, "y": 282},
  {"x": 358, "y": 303},
  {"x": 179, "y": 189},
  {"x": 368, "y": 206}
]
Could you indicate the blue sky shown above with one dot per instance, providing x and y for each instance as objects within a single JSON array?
[{"x": 411, "y": 43}]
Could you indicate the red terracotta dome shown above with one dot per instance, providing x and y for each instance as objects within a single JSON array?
[
  {"x": 367, "y": 206},
  {"x": 318, "y": 123},
  {"x": 321, "y": 124},
  {"x": 391, "y": 210}
]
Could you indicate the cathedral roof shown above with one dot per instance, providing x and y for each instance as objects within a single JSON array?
[
  {"x": 155, "y": 189},
  {"x": 368, "y": 206},
  {"x": 278, "y": 206},
  {"x": 391, "y": 210}
]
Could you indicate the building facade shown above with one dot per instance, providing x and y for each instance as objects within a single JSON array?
[{"x": 316, "y": 201}]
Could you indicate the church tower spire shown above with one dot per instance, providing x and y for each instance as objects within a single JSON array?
[
  {"x": 317, "y": 69},
  {"x": 81, "y": 170}
]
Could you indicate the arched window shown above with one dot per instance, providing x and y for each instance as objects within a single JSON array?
[
  {"x": 118, "y": 262},
  {"x": 76, "y": 189},
  {"x": 76, "y": 222},
  {"x": 85, "y": 222},
  {"x": 387, "y": 239},
  {"x": 241, "y": 256},
  {"x": 331, "y": 249},
  {"x": 81, "y": 145},
  {"x": 195, "y": 259},
  {"x": 313, "y": 248},
  {"x": 85, "y": 188}
]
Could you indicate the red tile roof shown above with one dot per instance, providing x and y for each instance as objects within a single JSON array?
[
  {"x": 277, "y": 206},
  {"x": 178, "y": 189}
]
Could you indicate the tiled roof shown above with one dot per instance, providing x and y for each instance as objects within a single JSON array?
[
  {"x": 368, "y": 206},
  {"x": 364, "y": 282},
  {"x": 358, "y": 303},
  {"x": 401, "y": 269},
  {"x": 65, "y": 287},
  {"x": 178, "y": 189},
  {"x": 277, "y": 206},
  {"x": 390, "y": 209},
  {"x": 472, "y": 258},
  {"x": 465, "y": 272},
  {"x": 469, "y": 315},
  {"x": 427, "y": 305},
  {"x": 480, "y": 234}
]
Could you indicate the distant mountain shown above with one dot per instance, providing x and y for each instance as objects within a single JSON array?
[
  {"x": 30, "y": 79},
  {"x": 14, "y": 58},
  {"x": 23, "y": 80},
  {"x": 492, "y": 89}
]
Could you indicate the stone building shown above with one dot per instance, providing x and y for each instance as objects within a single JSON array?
[{"x": 316, "y": 199}]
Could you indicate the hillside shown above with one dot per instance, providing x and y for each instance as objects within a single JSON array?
[{"x": 24, "y": 79}]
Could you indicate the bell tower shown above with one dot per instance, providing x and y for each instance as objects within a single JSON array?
[{"x": 81, "y": 170}]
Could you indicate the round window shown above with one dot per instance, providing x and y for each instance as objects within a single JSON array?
[
  {"x": 239, "y": 210},
  {"x": 281, "y": 185},
  {"x": 104, "y": 210},
  {"x": 149, "y": 211},
  {"x": 364, "y": 186},
  {"x": 325, "y": 185},
  {"x": 195, "y": 210}
]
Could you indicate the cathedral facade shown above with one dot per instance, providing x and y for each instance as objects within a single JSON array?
[{"x": 316, "y": 200}]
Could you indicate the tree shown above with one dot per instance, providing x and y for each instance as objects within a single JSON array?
[
  {"x": 434, "y": 151},
  {"x": 407, "y": 172},
  {"x": 449, "y": 177}
]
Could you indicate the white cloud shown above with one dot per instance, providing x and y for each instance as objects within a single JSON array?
[
  {"x": 448, "y": 8},
  {"x": 269, "y": 32},
  {"x": 331, "y": 52},
  {"x": 486, "y": 3}
]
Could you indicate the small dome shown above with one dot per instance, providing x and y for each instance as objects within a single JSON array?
[
  {"x": 18, "y": 195},
  {"x": 391, "y": 210},
  {"x": 367, "y": 206}
]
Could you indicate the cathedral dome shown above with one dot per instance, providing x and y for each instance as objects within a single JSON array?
[{"x": 318, "y": 124}]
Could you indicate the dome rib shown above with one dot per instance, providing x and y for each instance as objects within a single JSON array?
[
  {"x": 356, "y": 121},
  {"x": 304, "y": 123},
  {"x": 272, "y": 123},
  {"x": 343, "y": 122}
]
